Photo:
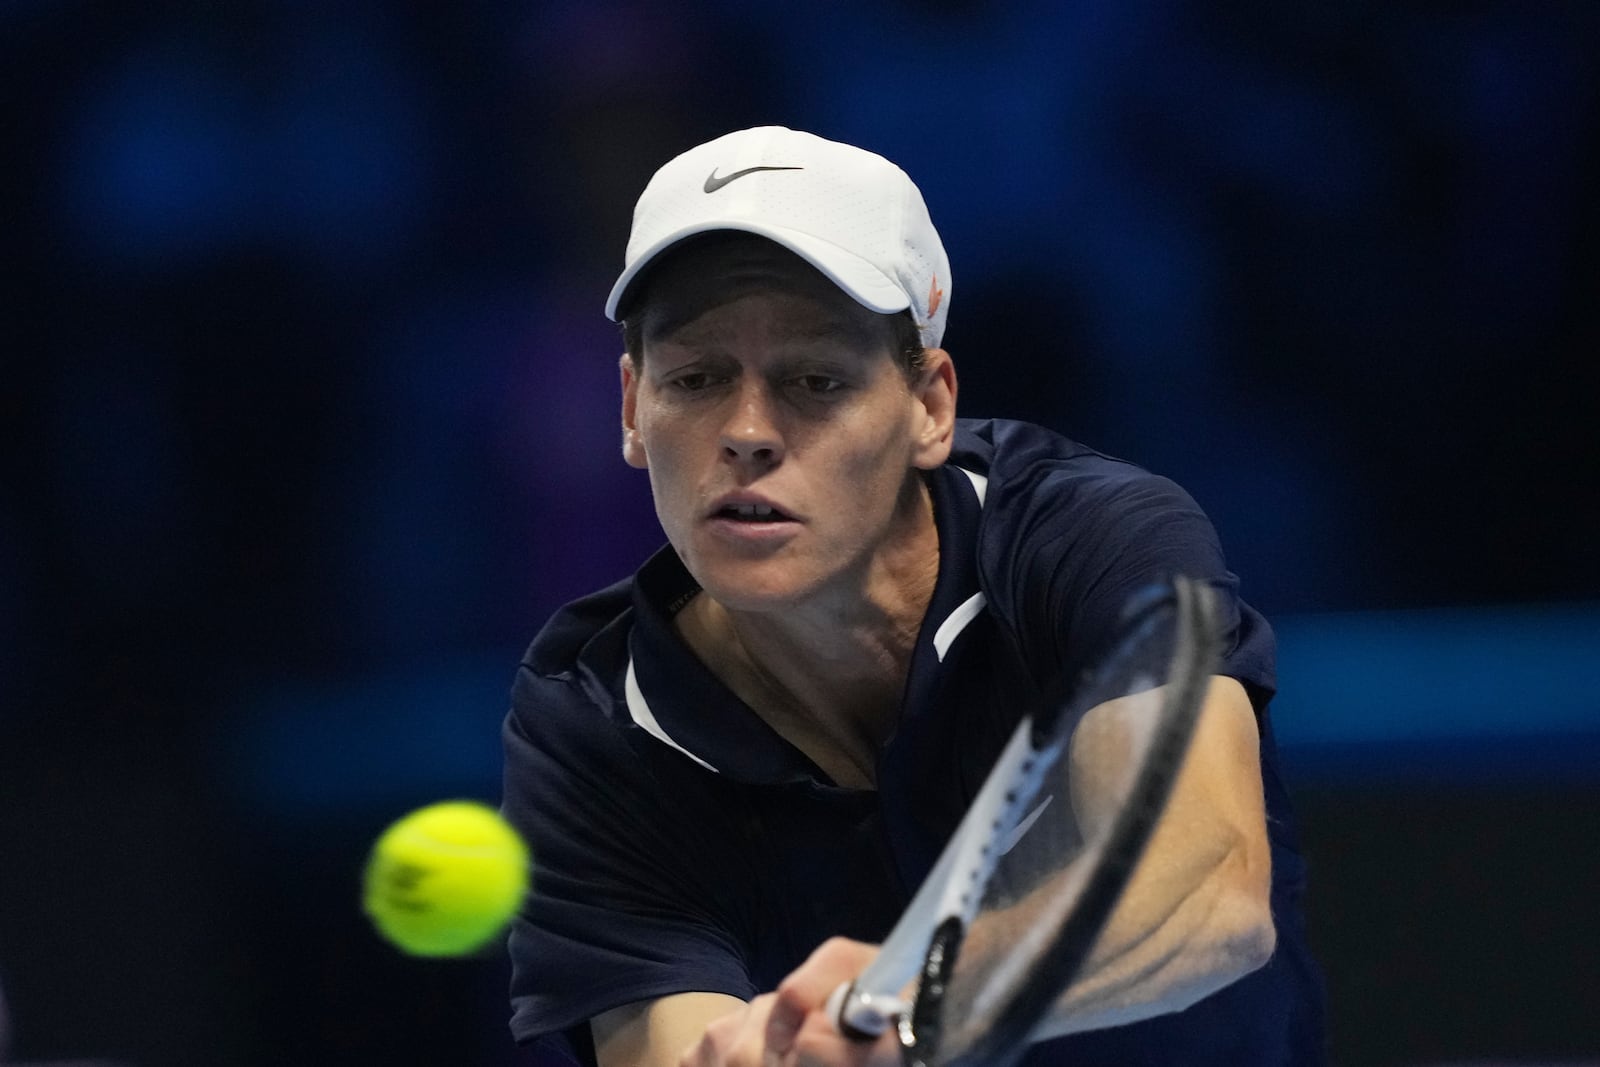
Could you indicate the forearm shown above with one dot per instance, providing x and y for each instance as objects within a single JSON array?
[
  {"x": 655, "y": 1033},
  {"x": 1187, "y": 926},
  {"x": 1195, "y": 915}
]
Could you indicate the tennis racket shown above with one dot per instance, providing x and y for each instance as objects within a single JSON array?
[{"x": 1013, "y": 907}]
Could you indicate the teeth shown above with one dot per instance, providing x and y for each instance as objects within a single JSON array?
[{"x": 752, "y": 511}]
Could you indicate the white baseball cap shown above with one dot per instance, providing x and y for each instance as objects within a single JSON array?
[{"x": 852, "y": 214}]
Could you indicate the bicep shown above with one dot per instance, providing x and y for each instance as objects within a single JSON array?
[
  {"x": 656, "y": 1033},
  {"x": 1216, "y": 804},
  {"x": 1220, "y": 782},
  {"x": 1195, "y": 914}
]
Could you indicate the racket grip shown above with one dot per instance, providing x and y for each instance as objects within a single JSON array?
[{"x": 862, "y": 1016}]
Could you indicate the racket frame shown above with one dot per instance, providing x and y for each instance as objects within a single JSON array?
[{"x": 925, "y": 942}]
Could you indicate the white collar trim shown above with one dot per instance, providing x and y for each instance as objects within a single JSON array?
[
  {"x": 971, "y": 607},
  {"x": 639, "y": 709}
]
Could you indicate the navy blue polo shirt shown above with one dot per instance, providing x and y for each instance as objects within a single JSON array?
[{"x": 682, "y": 845}]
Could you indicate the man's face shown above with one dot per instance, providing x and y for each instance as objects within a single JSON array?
[{"x": 780, "y": 433}]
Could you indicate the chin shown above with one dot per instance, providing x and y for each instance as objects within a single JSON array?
[{"x": 755, "y": 587}]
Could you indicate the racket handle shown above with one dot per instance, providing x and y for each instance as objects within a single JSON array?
[{"x": 862, "y": 1016}]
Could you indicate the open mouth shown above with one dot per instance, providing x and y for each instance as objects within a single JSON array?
[{"x": 751, "y": 513}]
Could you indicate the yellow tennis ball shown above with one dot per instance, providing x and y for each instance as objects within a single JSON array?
[{"x": 446, "y": 879}]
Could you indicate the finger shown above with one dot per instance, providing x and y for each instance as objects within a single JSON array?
[
  {"x": 820, "y": 1044},
  {"x": 806, "y": 990}
]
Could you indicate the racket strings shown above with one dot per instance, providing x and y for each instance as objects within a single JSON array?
[{"x": 1095, "y": 795}]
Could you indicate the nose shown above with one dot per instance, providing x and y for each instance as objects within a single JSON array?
[{"x": 751, "y": 431}]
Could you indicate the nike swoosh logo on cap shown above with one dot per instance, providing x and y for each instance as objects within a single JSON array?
[{"x": 713, "y": 183}]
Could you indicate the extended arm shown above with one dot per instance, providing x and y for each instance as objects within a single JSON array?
[
  {"x": 1194, "y": 918},
  {"x": 1196, "y": 915}
]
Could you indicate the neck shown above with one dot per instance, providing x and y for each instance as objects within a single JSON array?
[{"x": 828, "y": 676}]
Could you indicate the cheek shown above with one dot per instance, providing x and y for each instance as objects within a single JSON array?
[
  {"x": 865, "y": 482},
  {"x": 656, "y": 451},
  {"x": 881, "y": 455},
  {"x": 655, "y": 440},
  {"x": 666, "y": 489}
]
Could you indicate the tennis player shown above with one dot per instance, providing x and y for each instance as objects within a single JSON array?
[{"x": 736, "y": 766}]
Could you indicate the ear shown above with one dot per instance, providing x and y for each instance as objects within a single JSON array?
[
  {"x": 632, "y": 444},
  {"x": 934, "y": 394}
]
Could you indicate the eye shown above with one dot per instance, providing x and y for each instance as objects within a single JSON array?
[
  {"x": 693, "y": 381},
  {"x": 819, "y": 383}
]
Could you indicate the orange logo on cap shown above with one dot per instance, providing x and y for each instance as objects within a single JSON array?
[{"x": 935, "y": 296}]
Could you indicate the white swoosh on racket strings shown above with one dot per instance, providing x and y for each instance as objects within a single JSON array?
[{"x": 1024, "y": 826}]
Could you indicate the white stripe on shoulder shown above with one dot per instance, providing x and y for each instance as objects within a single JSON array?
[
  {"x": 969, "y": 608},
  {"x": 639, "y": 708},
  {"x": 979, "y": 482},
  {"x": 955, "y": 622}
]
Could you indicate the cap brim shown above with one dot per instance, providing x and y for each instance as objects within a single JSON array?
[{"x": 865, "y": 283}]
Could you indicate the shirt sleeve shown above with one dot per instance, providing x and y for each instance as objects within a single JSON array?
[
  {"x": 626, "y": 903},
  {"x": 1090, "y": 534}
]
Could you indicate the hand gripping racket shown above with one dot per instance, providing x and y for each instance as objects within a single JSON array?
[{"x": 1026, "y": 883}]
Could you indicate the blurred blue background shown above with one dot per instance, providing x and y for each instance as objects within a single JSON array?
[{"x": 308, "y": 412}]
